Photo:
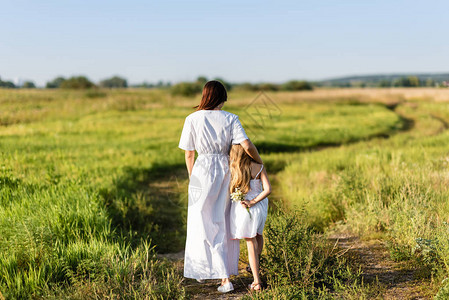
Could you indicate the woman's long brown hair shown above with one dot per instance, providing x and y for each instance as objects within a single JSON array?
[
  {"x": 240, "y": 169},
  {"x": 214, "y": 93}
]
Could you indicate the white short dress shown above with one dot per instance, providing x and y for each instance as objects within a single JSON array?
[
  {"x": 244, "y": 225},
  {"x": 210, "y": 252}
]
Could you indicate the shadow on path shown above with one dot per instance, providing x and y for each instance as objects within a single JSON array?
[
  {"x": 147, "y": 203},
  {"x": 405, "y": 125}
]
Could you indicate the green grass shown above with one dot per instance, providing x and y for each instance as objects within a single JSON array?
[
  {"x": 393, "y": 189},
  {"x": 87, "y": 180}
]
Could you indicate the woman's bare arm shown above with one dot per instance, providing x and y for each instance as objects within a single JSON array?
[
  {"x": 251, "y": 150},
  {"x": 190, "y": 160}
]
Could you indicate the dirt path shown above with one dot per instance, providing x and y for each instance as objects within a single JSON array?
[
  {"x": 397, "y": 280},
  {"x": 208, "y": 289}
]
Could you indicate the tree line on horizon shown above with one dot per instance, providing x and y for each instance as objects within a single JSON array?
[
  {"x": 385, "y": 81},
  {"x": 74, "y": 82},
  {"x": 185, "y": 88},
  {"x": 191, "y": 88}
]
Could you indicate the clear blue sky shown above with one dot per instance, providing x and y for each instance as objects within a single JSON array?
[{"x": 237, "y": 40}]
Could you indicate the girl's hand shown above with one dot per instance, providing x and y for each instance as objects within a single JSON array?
[
  {"x": 245, "y": 203},
  {"x": 248, "y": 204}
]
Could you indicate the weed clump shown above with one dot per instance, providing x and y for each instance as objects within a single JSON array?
[{"x": 297, "y": 263}]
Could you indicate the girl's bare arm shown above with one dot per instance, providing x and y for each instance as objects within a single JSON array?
[
  {"x": 190, "y": 160},
  {"x": 251, "y": 150},
  {"x": 266, "y": 189}
]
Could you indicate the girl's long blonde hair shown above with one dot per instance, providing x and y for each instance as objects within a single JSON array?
[{"x": 240, "y": 169}]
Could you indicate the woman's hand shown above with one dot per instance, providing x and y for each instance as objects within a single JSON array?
[{"x": 251, "y": 150}]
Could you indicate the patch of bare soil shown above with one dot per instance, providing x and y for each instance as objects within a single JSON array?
[
  {"x": 208, "y": 289},
  {"x": 397, "y": 280}
]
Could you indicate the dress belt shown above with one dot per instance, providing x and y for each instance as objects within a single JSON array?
[{"x": 213, "y": 154}]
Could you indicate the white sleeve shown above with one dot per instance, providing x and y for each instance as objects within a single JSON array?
[
  {"x": 238, "y": 133},
  {"x": 187, "y": 141}
]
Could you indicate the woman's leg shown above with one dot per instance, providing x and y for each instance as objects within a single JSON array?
[
  {"x": 253, "y": 257},
  {"x": 226, "y": 286}
]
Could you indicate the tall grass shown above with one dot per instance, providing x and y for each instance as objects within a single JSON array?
[
  {"x": 57, "y": 236},
  {"x": 393, "y": 189},
  {"x": 298, "y": 264},
  {"x": 89, "y": 181},
  {"x": 76, "y": 176}
]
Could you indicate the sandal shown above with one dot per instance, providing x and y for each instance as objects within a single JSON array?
[
  {"x": 252, "y": 286},
  {"x": 228, "y": 287}
]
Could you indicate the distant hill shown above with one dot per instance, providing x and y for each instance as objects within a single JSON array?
[{"x": 426, "y": 79}]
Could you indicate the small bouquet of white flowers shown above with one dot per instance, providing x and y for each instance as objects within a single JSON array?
[{"x": 239, "y": 196}]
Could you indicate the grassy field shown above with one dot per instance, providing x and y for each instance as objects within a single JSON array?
[{"x": 92, "y": 184}]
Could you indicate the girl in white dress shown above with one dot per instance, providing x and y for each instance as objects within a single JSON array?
[
  {"x": 210, "y": 252},
  {"x": 248, "y": 217}
]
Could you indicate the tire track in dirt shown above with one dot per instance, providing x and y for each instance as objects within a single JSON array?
[{"x": 397, "y": 280}]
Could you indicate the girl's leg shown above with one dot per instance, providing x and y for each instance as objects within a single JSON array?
[
  {"x": 225, "y": 281},
  {"x": 253, "y": 257},
  {"x": 259, "y": 239}
]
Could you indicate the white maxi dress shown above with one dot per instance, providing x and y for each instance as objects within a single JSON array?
[{"x": 210, "y": 252}]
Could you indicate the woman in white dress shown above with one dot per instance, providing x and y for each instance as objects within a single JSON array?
[
  {"x": 248, "y": 217},
  {"x": 210, "y": 253}
]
